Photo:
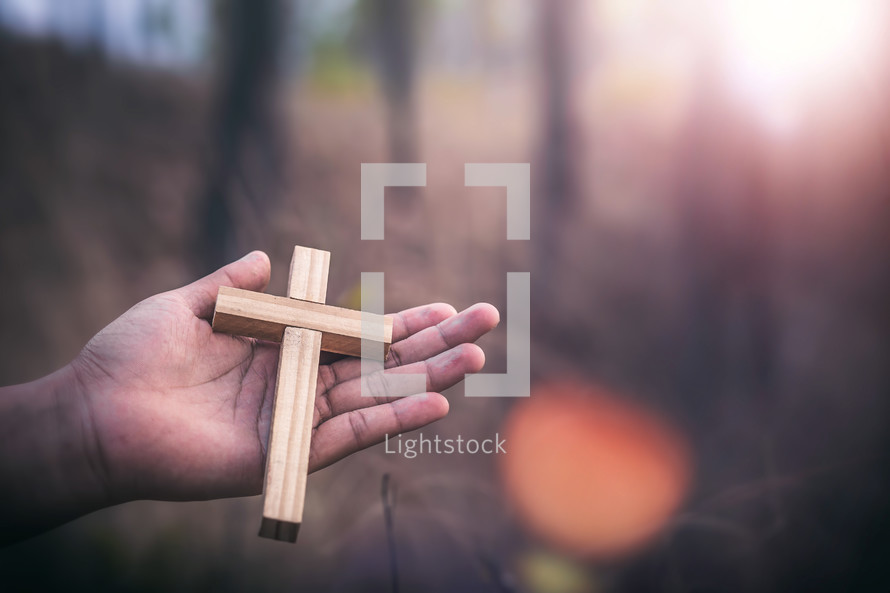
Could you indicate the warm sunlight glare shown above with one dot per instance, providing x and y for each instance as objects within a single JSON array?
[{"x": 778, "y": 50}]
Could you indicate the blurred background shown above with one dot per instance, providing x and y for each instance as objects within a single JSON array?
[{"x": 709, "y": 267}]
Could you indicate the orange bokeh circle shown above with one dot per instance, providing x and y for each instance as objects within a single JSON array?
[{"x": 590, "y": 473}]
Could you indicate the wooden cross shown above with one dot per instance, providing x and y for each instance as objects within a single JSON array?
[{"x": 304, "y": 325}]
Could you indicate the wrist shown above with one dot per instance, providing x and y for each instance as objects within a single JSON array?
[
  {"x": 48, "y": 455},
  {"x": 89, "y": 468}
]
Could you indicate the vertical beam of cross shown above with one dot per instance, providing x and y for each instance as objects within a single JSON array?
[{"x": 287, "y": 461}]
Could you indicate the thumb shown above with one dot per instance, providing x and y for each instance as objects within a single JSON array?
[{"x": 251, "y": 272}]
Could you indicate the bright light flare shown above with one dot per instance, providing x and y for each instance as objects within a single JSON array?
[
  {"x": 590, "y": 473},
  {"x": 783, "y": 50}
]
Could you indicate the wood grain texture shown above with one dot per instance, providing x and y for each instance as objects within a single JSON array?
[
  {"x": 308, "y": 276},
  {"x": 304, "y": 325},
  {"x": 265, "y": 316},
  {"x": 287, "y": 460},
  {"x": 290, "y": 438}
]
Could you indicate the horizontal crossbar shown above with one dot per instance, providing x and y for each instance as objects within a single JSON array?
[{"x": 265, "y": 316}]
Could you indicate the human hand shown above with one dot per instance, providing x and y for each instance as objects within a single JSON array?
[{"x": 174, "y": 411}]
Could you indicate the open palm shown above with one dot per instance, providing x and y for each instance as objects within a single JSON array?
[{"x": 175, "y": 411}]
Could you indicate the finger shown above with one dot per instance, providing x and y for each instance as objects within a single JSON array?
[
  {"x": 427, "y": 341},
  {"x": 251, "y": 272},
  {"x": 357, "y": 430},
  {"x": 469, "y": 326},
  {"x": 440, "y": 373},
  {"x": 411, "y": 321}
]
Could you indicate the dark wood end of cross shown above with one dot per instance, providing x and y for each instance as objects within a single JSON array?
[{"x": 283, "y": 531}]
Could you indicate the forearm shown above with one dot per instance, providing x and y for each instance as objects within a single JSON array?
[{"x": 49, "y": 467}]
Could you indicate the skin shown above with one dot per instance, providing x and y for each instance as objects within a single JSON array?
[{"x": 157, "y": 406}]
